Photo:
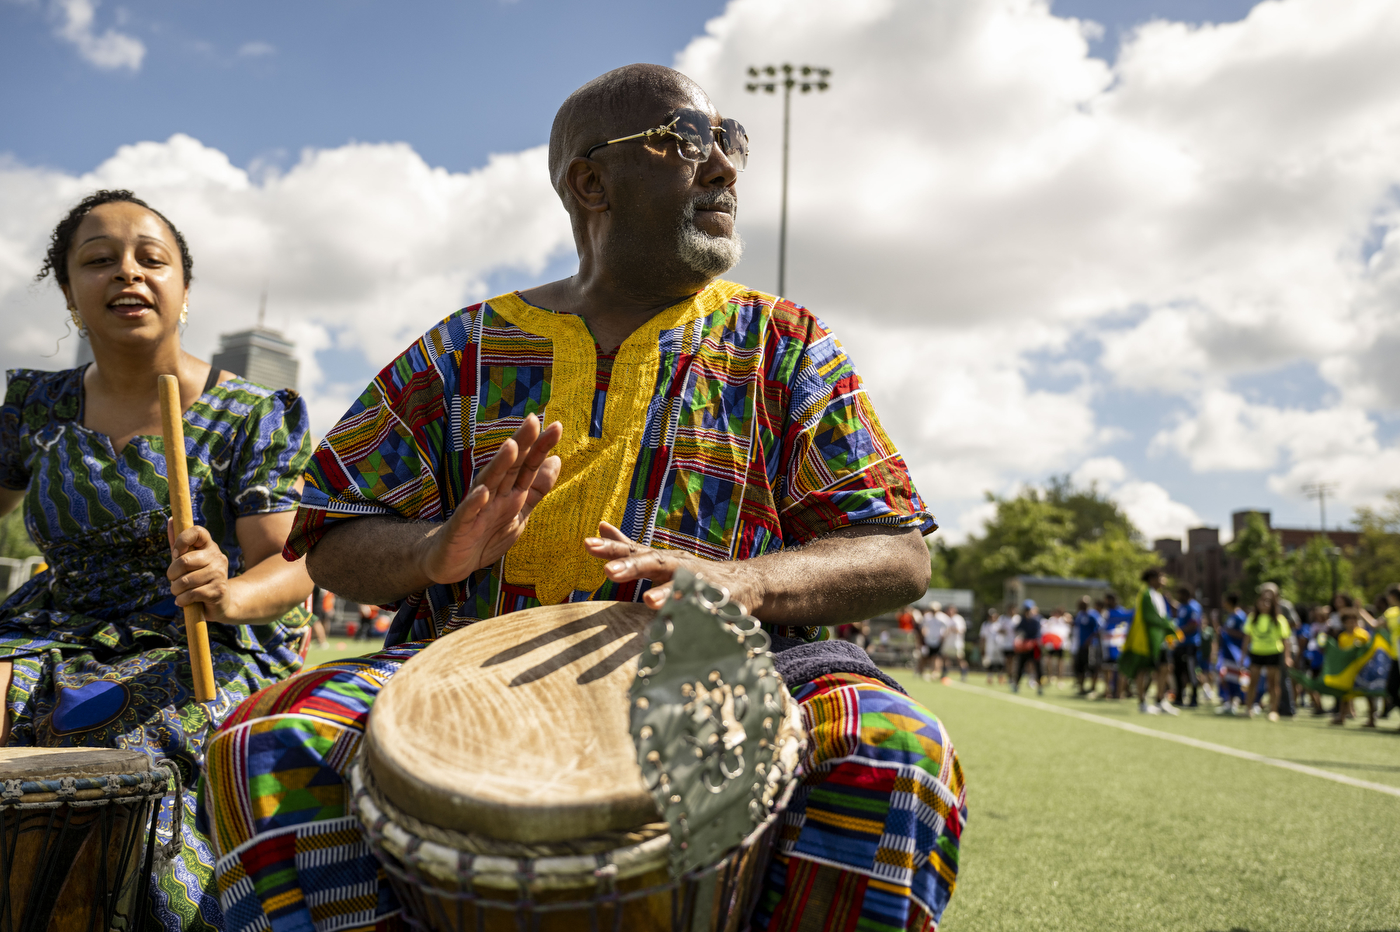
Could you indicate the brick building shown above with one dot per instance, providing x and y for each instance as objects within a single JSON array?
[{"x": 1207, "y": 568}]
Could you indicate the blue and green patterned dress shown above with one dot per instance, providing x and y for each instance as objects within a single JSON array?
[{"x": 96, "y": 640}]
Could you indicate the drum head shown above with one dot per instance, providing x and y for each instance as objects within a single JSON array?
[
  {"x": 517, "y": 727},
  {"x": 50, "y": 763}
]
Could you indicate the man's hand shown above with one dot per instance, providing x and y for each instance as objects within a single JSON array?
[
  {"x": 493, "y": 515},
  {"x": 628, "y": 561}
]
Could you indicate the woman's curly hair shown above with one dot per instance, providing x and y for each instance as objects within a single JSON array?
[{"x": 56, "y": 259}]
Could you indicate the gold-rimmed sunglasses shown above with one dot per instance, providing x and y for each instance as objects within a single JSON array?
[{"x": 696, "y": 137}]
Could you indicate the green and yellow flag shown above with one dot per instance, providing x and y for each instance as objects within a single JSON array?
[
  {"x": 1358, "y": 670},
  {"x": 1146, "y": 635}
]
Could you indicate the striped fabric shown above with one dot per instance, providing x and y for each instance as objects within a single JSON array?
[
  {"x": 869, "y": 842},
  {"x": 96, "y": 642},
  {"x": 732, "y": 425},
  {"x": 738, "y": 418},
  {"x": 871, "y": 838}
]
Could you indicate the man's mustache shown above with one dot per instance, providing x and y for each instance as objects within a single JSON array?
[{"x": 722, "y": 200}]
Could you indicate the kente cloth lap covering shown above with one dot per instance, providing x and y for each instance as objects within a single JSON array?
[
  {"x": 96, "y": 641},
  {"x": 733, "y": 425}
]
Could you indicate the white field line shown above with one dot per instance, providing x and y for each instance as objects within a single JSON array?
[{"x": 1182, "y": 739}]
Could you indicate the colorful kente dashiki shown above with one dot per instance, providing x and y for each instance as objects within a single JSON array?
[
  {"x": 96, "y": 641},
  {"x": 731, "y": 425}
]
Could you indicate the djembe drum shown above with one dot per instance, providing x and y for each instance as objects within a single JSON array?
[
  {"x": 583, "y": 766},
  {"x": 77, "y": 837}
]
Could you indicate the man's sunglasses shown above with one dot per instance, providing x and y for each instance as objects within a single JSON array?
[{"x": 695, "y": 138}]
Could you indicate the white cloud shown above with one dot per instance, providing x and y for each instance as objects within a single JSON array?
[
  {"x": 256, "y": 49},
  {"x": 110, "y": 50},
  {"x": 361, "y": 247},
  {"x": 974, "y": 180},
  {"x": 974, "y": 195}
]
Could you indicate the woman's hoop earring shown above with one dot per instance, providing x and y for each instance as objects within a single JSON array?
[
  {"x": 184, "y": 313},
  {"x": 77, "y": 322}
]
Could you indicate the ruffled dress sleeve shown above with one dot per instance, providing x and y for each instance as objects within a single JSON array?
[
  {"x": 273, "y": 449},
  {"x": 14, "y": 466}
]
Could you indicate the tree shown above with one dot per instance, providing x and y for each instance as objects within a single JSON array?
[
  {"x": 1313, "y": 571},
  {"x": 1116, "y": 557},
  {"x": 1260, "y": 551},
  {"x": 1026, "y": 537},
  {"x": 1093, "y": 513},
  {"x": 14, "y": 538},
  {"x": 1377, "y": 556},
  {"x": 941, "y": 557}
]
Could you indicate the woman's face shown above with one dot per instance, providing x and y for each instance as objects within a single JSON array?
[
  {"x": 1265, "y": 603},
  {"x": 125, "y": 276}
]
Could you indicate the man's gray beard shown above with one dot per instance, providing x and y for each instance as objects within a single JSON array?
[{"x": 702, "y": 253}]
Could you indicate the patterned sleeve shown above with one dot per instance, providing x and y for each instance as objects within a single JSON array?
[
  {"x": 382, "y": 456},
  {"x": 14, "y": 474},
  {"x": 273, "y": 450},
  {"x": 840, "y": 467}
]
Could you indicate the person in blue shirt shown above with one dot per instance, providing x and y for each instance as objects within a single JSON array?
[
  {"x": 1189, "y": 618},
  {"x": 1116, "y": 621},
  {"x": 1231, "y": 656},
  {"x": 1087, "y": 622},
  {"x": 1027, "y": 645}
]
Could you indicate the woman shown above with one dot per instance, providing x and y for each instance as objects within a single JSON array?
[
  {"x": 1266, "y": 638},
  {"x": 93, "y": 651}
]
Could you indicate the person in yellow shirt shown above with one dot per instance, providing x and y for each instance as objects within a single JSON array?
[
  {"x": 1266, "y": 640},
  {"x": 1392, "y": 621},
  {"x": 1353, "y": 634}
]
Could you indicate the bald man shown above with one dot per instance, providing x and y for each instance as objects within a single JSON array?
[{"x": 695, "y": 423}]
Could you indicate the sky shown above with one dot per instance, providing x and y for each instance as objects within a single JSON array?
[{"x": 1151, "y": 244}]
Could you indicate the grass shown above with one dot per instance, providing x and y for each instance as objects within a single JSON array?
[
  {"x": 1074, "y": 825},
  {"x": 340, "y": 649},
  {"x": 1077, "y": 826}
]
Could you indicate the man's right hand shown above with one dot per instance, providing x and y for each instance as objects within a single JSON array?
[{"x": 493, "y": 515}]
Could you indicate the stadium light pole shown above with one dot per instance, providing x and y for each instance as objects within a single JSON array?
[
  {"x": 767, "y": 79},
  {"x": 1320, "y": 491}
]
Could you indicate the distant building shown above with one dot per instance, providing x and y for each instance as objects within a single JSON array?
[
  {"x": 1210, "y": 571},
  {"x": 84, "y": 352},
  {"x": 1050, "y": 592},
  {"x": 1296, "y": 537},
  {"x": 258, "y": 355},
  {"x": 1205, "y": 567}
]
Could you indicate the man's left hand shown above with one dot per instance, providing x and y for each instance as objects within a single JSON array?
[{"x": 628, "y": 561}]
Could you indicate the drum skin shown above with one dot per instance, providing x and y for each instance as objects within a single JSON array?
[
  {"x": 517, "y": 727},
  {"x": 63, "y": 847}
]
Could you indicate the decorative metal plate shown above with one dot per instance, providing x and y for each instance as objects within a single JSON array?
[{"x": 713, "y": 723}]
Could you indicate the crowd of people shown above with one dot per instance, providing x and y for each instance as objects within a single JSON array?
[
  {"x": 1267, "y": 658},
  {"x": 1264, "y": 658}
]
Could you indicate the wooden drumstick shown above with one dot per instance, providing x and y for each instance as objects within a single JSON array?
[{"x": 177, "y": 477}]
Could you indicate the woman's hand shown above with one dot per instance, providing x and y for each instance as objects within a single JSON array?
[{"x": 199, "y": 573}]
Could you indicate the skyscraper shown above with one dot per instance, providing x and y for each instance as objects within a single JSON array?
[{"x": 259, "y": 355}]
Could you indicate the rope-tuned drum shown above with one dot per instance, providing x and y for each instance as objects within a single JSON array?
[
  {"x": 77, "y": 837},
  {"x": 589, "y": 765}
]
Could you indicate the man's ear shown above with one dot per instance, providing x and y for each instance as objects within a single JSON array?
[{"x": 585, "y": 182}]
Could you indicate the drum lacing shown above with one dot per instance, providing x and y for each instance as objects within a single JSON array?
[
  {"x": 172, "y": 849},
  {"x": 122, "y": 789}
]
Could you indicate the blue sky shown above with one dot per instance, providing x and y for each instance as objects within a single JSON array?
[
  {"x": 262, "y": 80},
  {"x": 1129, "y": 372}
]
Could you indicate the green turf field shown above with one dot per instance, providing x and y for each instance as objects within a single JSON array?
[
  {"x": 1075, "y": 825},
  {"x": 340, "y": 649}
]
